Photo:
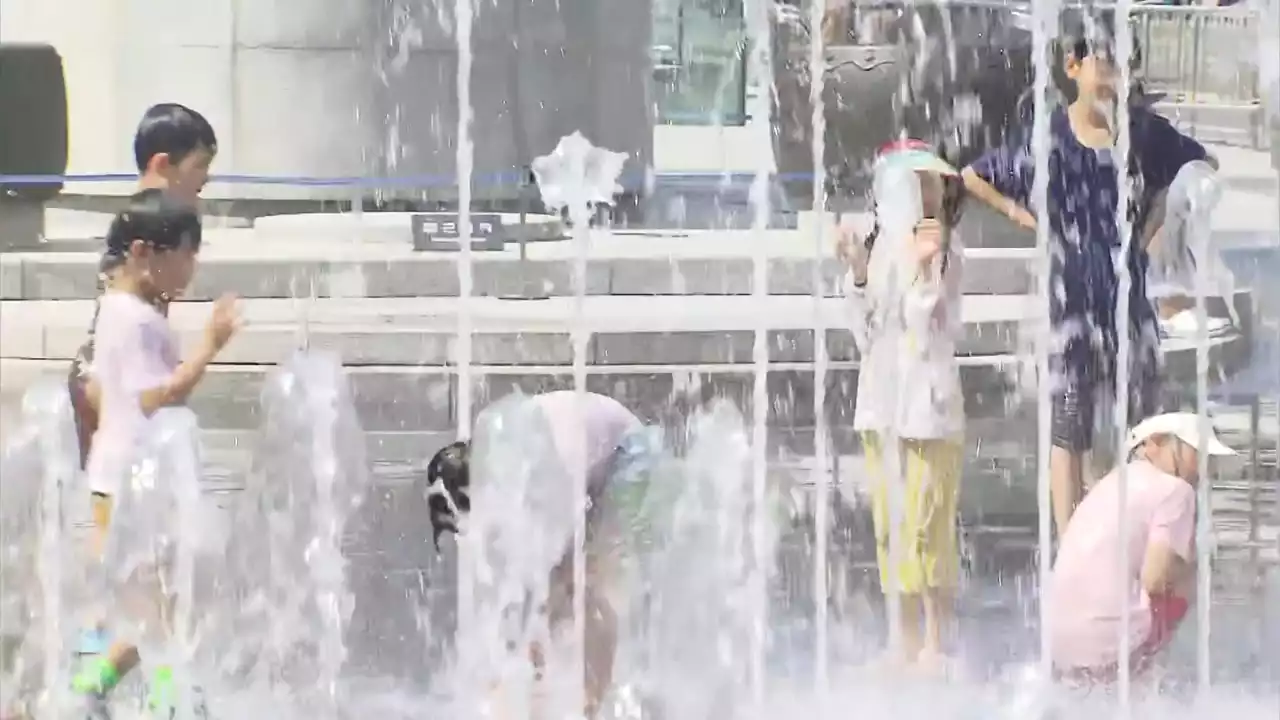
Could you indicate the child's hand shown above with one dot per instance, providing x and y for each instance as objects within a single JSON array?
[
  {"x": 929, "y": 238},
  {"x": 223, "y": 322},
  {"x": 1021, "y": 216},
  {"x": 852, "y": 251}
]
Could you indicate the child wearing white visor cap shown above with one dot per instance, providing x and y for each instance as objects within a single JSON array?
[{"x": 1086, "y": 596}]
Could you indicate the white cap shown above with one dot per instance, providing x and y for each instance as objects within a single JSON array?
[{"x": 1182, "y": 425}]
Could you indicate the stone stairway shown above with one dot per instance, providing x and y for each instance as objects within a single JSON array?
[{"x": 1246, "y": 507}]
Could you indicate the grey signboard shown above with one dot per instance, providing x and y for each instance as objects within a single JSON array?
[{"x": 440, "y": 232}]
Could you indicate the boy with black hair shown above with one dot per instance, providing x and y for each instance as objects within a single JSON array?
[
  {"x": 174, "y": 147},
  {"x": 1083, "y": 189},
  {"x": 153, "y": 245}
]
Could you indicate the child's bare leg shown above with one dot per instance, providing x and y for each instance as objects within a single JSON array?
[
  {"x": 105, "y": 672},
  {"x": 912, "y": 639},
  {"x": 601, "y": 645},
  {"x": 1072, "y": 430},
  {"x": 1066, "y": 484},
  {"x": 939, "y": 619},
  {"x": 1174, "y": 304}
]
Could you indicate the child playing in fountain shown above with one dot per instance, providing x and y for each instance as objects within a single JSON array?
[
  {"x": 588, "y": 430},
  {"x": 1086, "y": 244},
  {"x": 153, "y": 245},
  {"x": 1086, "y": 597},
  {"x": 173, "y": 147},
  {"x": 905, "y": 299}
]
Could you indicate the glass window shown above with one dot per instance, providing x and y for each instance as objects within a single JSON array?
[{"x": 699, "y": 62}]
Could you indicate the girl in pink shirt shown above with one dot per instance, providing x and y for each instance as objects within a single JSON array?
[
  {"x": 1087, "y": 596},
  {"x": 153, "y": 245}
]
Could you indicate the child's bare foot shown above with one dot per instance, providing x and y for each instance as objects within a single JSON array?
[
  {"x": 893, "y": 661},
  {"x": 934, "y": 662}
]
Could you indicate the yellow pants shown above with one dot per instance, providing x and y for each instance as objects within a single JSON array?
[
  {"x": 927, "y": 553},
  {"x": 101, "y": 506}
]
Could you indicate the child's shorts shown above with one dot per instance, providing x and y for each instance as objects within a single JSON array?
[
  {"x": 1167, "y": 613},
  {"x": 135, "y": 581},
  {"x": 1079, "y": 405},
  {"x": 928, "y": 556}
]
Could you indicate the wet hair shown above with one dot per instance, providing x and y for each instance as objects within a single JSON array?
[
  {"x": 154, "y": 217},
  {"x": 449, "y": 488},
  {"x": 157, "y": 218},
  {"x": 174, "y": 130},
  {"x": 1084, "y": 35}
]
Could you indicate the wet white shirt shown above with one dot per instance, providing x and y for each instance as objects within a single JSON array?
[
  {"x": 135, "y": 351},
  {"x": 906, "y": 331}
]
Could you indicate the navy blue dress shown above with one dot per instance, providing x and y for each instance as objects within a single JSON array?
[{"x": 1086, "y": 244}]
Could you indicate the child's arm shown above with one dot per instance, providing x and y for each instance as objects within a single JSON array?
[
  {"x": 1163, "y": 152},
  {"x": 1002, "y": 179},
  {"x": 222, "y": 325},
  {"x": 853, "y": 251},
  {"x": 1170, "y": 544},
  {"x": 991, "y": 196},
  {"x": 932, "y": 304},
  {"x": 182, "y": 382}
]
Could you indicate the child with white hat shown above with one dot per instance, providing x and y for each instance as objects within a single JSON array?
[{"x": 1086, "y": 597}]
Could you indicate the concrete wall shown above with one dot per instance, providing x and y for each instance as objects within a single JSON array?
[{"x": 347, "y": 87}]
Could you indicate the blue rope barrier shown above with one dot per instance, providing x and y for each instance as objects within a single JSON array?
[{"x": 411, "y": 181}]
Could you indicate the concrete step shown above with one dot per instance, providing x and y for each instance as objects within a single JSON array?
[
  {"x": 422, "y": 331},
  {"x": 619, "y": 263},
  {"x": 397, "y": 399},
  {"x": 625, "y": 330}
]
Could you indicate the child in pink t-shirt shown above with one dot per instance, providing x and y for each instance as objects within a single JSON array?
[
  {"x": 563, "y": 433},
  {"x": 1087, "y": 597},
  {"x": 155, "y": 242}
]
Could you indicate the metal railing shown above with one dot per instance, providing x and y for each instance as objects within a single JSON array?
[{"x": 1204, "y": 61}]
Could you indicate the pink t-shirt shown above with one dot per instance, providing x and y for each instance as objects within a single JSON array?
[
  {"x": 1086, "y": 595},
  {"x": 134, "y": 351},
  {"x": 586, "y": 428}
]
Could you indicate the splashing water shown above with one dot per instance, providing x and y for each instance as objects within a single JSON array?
[
  {"x": 1186, "y": 250},
  {"x": 271, "y": 640},
  {"x": 573, "y": 178},
  {"x": 38, "y": 488},
  {"x": 288, "y": 602},
  {"x": 577, "y": 175},
  {"x": 517, "y": 531},
  {"x": 698, "y": 614}
]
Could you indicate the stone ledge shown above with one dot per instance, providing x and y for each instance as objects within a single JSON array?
[
  {"x": 411, "y": 347},
  {"x": 73, "y": 276},
  {"x": 407, "y": 400}
]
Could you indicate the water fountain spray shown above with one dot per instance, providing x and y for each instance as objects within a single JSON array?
[
  {"x": 898, "y": 209},
  {"x": 760, "y": 68},
  {"x": 292, "y": 603},
  {"x": 1125, "y": 333},
  {"x": 820, "y": 472},
  {"x": 1044, "y": 32},
  {"x": 1186, "y": 261},
  {"x": 573, "y": 178},
  {"x": 464, "y": 11},
  {"x": 464, "y": 14},
  {"x": 51, "y": 407}
]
